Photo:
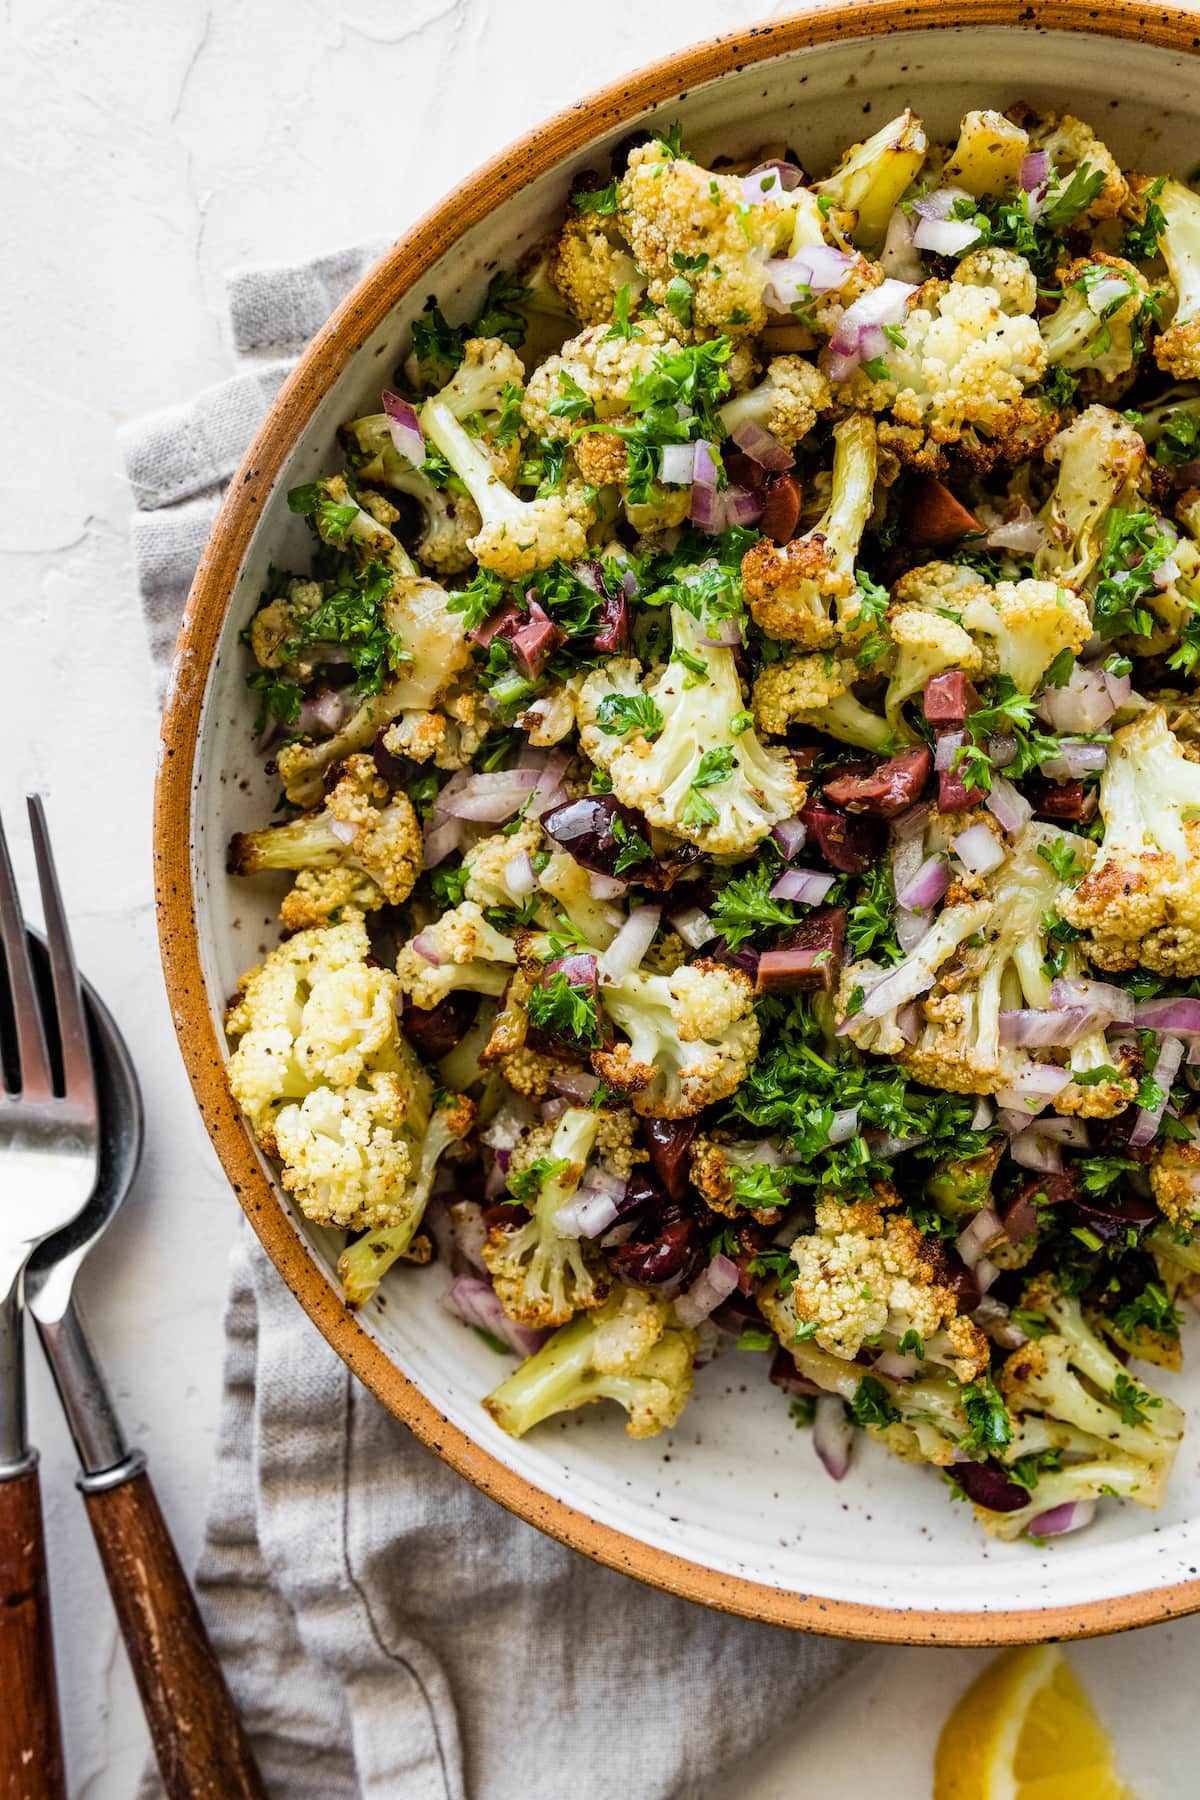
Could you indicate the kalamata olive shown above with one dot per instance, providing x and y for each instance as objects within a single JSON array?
[
  {"x": 536, "y": 640},
  {"x": 959, "y": 1279},
  {"x": 1112, "y": 1216},
  {"x": 849, "y": 843},
  {"x": 612, "y": 626},
  {"x": 1063, "y": 800},
  {"x": 781, "y": 508},
  {"x": 809, "y": 958},
  {"x": 949, "y": 697},
  {"x": 932, "y": 515},
  {"x": 668, "y": 1141},
  {"x": 887, "y": 790},
  {"x": 988, "y": 1485},
  {"x": 665, "y": 1252},
  {"x": 585, "y": 828},
  {"x": 435, "y": 1032}
]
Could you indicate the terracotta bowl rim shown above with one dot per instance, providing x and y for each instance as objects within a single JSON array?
[{"x": 1169, "y": 27}]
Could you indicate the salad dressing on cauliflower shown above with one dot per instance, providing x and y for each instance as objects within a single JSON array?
[{"x": 740, "y": 808}]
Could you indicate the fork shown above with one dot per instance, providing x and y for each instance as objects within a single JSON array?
[{"x": 49, "y": 1155}]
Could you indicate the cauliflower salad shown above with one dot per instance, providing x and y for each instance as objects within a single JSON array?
[{"x": 739, "y": 739}]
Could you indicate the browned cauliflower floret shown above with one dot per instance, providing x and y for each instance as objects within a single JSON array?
[
  {"x": 1098, "y": 329},
  {"x": 871, "y": 177},
  {"x": 1074, "y": 148},
  {"x": 786, "y": 402},
  {"x": 590, "y": 264},
  {"x": 602, "y": 366},
  {"x": 804, "y": 589},
  {"x": 1141, "y": 901},
  {"x": 1100, "y": 458},
  {"x": 863, "y": 1275},
  {"x": 1178, "y": 348},
  {"x": 714, "y": 1160},
  {"x": 815, "y": 690},
  {"x": 692, "y": 1037},
  {"x": 670, "y": 208},
  {"x": 541, "y": 1274},
  {"x": 1175, "y": 1180},
  {"x": 363, "y": 849}
]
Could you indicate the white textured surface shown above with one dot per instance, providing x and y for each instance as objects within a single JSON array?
[{"x": 146, "y": 150}]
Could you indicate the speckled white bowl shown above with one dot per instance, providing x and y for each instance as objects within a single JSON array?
[{"x": 732, "y": 1508}]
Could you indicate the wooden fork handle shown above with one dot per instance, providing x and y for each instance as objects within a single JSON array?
[
  {"x": 31, "y": 1756},
  {"x": 199, "y": 1741}
]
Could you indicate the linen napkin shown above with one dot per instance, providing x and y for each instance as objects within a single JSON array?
[{"x": 386, "y": 1629}]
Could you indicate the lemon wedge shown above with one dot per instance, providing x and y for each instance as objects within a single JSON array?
[{"x": 1025, "y": 1730}]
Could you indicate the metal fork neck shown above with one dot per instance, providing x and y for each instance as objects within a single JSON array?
[{"x": 14, "y": 1447}]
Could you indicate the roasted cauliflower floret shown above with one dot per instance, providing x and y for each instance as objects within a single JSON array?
[
  {"x": 1178, "y": 348},
  {"x": 1095, "y": 328},
  {"x": 449, "y": 520},
  {"x": 925, "y": 644},
  {"x": 815, "y": 690},
  {"x": 1021, "y": 626},
  {"x": 692, "y": 775},
  {"x": 602, "y": 366},
  {"x": 959, "y": 375},
  {"x": 459, "y": 950},
  {"x": 1099, "y": 456},
  {"x": 692, "y": 1037},
  {"x": 1140, "y": 903},
  {"x": 363, "y": 849},
  {"x": 331, "y": 1089},
  {"x": 541, "y": 1275},
  {"x": 1004, "y": 271},
  {"x": 786, "y": 402},
  {"x": 866, "y": 1275},
  {"x": 1175, "y": 1180},
  {"x": 987, "y": 158},
  {"x": 670, "y": 208},
  {"x": 632, "y": 1350},
  {"x": 805, "y": 589},
  {"x": 871, "y": 177},
  {"x": 590, "y": 264},
  {"x": 1074, "y": 148}
]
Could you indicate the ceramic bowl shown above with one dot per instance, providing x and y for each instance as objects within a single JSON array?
[{"x": 732, "y": 1508}]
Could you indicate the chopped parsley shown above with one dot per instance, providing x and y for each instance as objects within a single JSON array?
[
  {"x": 714, "y": 767},
  {"x": 568, "y": 1012},
  {"x": 872, "y": 1405},
  {"x": 526, "y": 1186},
  {"x": 618, "y": 714}
]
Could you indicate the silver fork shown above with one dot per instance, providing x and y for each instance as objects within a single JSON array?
[{"x": 49, "y": 1155}]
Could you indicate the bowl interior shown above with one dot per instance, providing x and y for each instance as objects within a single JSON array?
[{"x": 735, "y": 1489}]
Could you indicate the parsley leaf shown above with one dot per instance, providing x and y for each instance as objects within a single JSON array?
[
  {"x": 525, "y": 1186},
  {"x": 618, "y": 714},
  {"x": 714, "y": 767},
  {"x": 872, "y": 1405},
  {"x": 567, "y": 1012},
  {"x": 743, "y": 908}
]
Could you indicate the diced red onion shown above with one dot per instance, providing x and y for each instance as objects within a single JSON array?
[
  {"x": 833, "y": 1435},
  {"x": 344, "y": 830},
  {"x": 1048, "y": 1028},
  {"x": 859, "y": 330},
  {"x": 906, "y": 982},
  {"x": 327, "y": 709},
  {"x": 1084, "y": 704},
  {"x": 1074, "y": 761},
  {"x": 759, "y": 184},
  {"x": 763, "y": 447},
  {"x": 1170, "y": 1055},
  {"x": 984, "y": 1113},
  {"x": 519, "y": 877},
  {"x": 895, "y": 1366},
  {"x": 843, "y": 1125},
  {"x": 405, "y": 427},
  {"x": 1032, "y": 1151},
  {"x": 675, "y": 463},
  {"x": 992, "y": 1317},
  {"x": 630, "y": 944},
  {"x": 590, "y": 1212},
  {"x": 694, "y": 926},
  {"x": 940, "y": 203},
  {"x": 1178, "y": 1017},
  {"x": 705, "y": 467},
  {"x": 1115, "y": 1002},
  {"x": 426, "y": 948},
  {"x": 714, "y": 1284},
  {"x": 575, "y": 1084},
  {"x": 1035, "y": 169},
  {"x": 948, "y": 747},
  {"x": 946, "y": 237},
  {"x": 909, "y": 824},
  {"x": 908, "y": 855},
  {"x": 1032, "y": 1089},
  {"x": 1119, "y": 688},
  {"x": 986, "y": 1274},
  {"x": 548, "y": 791},
  {"x": 477, "y": 1303},
  {"x": 790, "y": 834},
  {"x": 1103, "y": 293},
  {"x": 977, "y": 849},
  {"x": 911, "y": 927},
  {"x": 899, "y": 256},
  {"x": 983, "y": 1230},
  {"x": 488, "y": 797},
  {"x": 813, "y": 269},
  {"x": 1073, "y": 1515},
  {"x": 1002, "y": 749},
  {"x": 1069, "y": 1131},
  {"x": 927, "y": 885},
  {"x": 606, "y": 887},
  {"x": 806, "y": 886},
  {"x": 552, "y": 1110},
  {"x": 722, "y": 634},
  {"x": 908, "y": 1022},
  {"x": 1024, "y": 535},
  {"x": 1010, "y": 809},
  {"x": 884, "y": 1145}
]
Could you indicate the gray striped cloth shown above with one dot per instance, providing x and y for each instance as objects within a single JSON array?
[{"x": 386, "y": 1629}]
